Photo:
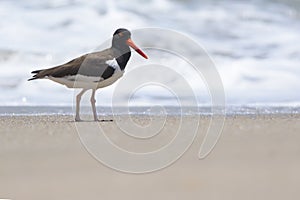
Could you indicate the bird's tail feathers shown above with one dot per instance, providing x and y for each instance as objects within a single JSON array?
[{"x": 35, "y": 76}]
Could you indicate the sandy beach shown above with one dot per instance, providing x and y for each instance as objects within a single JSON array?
[{"x": 257, "y": 157}]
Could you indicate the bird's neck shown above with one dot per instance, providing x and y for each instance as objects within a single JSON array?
[
  {"x": 122, "y": 60},
  {"x": 122, "y": 56}
]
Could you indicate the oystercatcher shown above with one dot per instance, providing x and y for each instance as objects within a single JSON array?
[{"x": 94, "y": 70}]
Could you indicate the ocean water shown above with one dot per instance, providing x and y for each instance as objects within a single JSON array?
[{"x": 254, "y": 45}]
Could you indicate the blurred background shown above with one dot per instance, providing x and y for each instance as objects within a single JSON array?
[{"x": 254, "y": 44}]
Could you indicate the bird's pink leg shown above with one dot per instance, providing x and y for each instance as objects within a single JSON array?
[
  {"x": 93, "y": 103},
  {"x": 78, "y": 98}
]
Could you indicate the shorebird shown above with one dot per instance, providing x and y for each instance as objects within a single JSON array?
[{"x": 93, "y": 70}]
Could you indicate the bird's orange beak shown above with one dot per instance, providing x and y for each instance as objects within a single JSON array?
[{"x": 131, "y": 44}]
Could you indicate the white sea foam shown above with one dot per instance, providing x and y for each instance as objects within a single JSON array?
[{"x": 253, "y": 43}]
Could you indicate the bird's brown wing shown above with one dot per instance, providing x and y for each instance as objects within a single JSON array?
[{"x": 93, "y": 64}]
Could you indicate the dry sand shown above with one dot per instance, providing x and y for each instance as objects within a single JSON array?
[{"x": 257, "y": 157}]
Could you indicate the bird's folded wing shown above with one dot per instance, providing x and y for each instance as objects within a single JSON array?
[{"x": 87, "y": 65}]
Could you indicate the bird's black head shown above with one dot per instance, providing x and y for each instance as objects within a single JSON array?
[
  {"x": 120, "y": 37},
  {"x": 122, "y": 41}
]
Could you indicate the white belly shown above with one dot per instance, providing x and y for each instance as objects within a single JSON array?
[{"x": 87, "y": 82}]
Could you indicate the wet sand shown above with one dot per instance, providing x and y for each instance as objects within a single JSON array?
[{"x": 257, "y": 157}]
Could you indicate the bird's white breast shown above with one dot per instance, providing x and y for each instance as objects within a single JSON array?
[{"x": 114, "y": 64}]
